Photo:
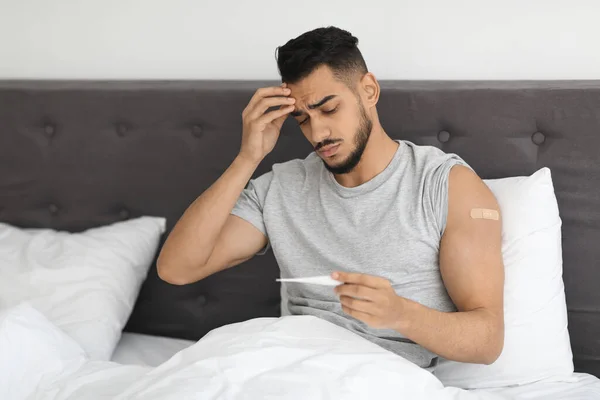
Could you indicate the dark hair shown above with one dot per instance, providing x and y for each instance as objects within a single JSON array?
[{"x": 329, "y": 46}]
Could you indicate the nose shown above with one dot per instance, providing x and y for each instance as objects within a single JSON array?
[{"x": 319, "y": 131}]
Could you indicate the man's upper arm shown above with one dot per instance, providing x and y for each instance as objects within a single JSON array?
[
  {"x": 471, "y": 248},
  {"x": 244, "y": 234},
  {"x": 238, "y": 241}
]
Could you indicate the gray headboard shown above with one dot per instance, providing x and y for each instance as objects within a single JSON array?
[{"x": 79, "y": 154}]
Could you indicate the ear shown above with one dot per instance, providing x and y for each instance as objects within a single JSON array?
[{"x": 371, "y": 90}]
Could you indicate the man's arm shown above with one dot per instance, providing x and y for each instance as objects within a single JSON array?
[
  {"x": 207, "y": 238},
  {"x": 473, "y": 272}
]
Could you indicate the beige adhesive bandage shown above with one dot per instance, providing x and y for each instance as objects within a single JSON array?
[{"x": 484, "y": 213}]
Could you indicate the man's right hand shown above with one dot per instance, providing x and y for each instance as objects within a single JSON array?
[{"x": 260, "y": 129}]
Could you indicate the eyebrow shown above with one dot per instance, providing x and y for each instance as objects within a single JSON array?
[{"x": 313, "y": 106}]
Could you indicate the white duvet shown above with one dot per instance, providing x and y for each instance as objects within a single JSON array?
[{"x": 292, "y": 357}]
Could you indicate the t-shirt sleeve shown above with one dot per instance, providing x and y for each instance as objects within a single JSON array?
[
  {"x": 438, "y": 188},
  {"x": 250, "y": 205}
]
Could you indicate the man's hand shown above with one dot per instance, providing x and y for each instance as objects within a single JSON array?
[
  {"x": 261, "y": 128},
  {"x": 370, "y": 299}
]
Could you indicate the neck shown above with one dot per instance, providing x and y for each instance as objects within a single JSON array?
[{"x": 378, "y": 153}]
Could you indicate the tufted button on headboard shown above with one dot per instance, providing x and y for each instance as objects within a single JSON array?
[
  {"x": 197, "y": 131},
  {"x": 443, "y": 136},
  {"x": 538, "y": 138},
  {"x": 124, "y": 214},
  {"x": 53, "y": 209},
  {"x": 49, "y": 129}
]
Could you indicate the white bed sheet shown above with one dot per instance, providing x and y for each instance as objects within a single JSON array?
[
  {"x": 146, "y": 350},
  {"x": 581, "y": 387}
]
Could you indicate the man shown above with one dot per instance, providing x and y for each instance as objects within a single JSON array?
[{"x": 399, "y": 225}]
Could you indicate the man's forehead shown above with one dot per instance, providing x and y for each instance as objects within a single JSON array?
[
  {"x": 312, "y": 90},
  {"x": 315, "y": 97},
  {"x": 309, "y": 95},
  {"x": 320, "y": 83}
]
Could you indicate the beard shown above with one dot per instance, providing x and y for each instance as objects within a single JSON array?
[{"x": 361, "y": 138}]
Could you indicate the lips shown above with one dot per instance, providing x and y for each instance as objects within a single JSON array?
[{"x": 328, "y": 151}]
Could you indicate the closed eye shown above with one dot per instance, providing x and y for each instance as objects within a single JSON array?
[{"x": 323, "y": 111}]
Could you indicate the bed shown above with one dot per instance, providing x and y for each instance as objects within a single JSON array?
[{"x": 78, "y": 155}]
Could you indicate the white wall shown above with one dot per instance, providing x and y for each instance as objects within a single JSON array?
[{"x": 225, "y": 39}]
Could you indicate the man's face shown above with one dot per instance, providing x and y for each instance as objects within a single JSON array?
[{"x": 333, "y": 119}]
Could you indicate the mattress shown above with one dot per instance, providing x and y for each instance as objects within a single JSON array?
[{"x": 139, "y": 349}]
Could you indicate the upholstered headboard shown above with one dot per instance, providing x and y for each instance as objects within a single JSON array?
[{"x": 74, "y": 155}]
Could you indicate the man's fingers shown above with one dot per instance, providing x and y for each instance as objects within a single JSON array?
[
  {"x": 261, "y": 107},
  {"x": 360, "y": 315},
  {"x": 279, "y": 120},
  {"x": 363, "y": 306},
  {"x": 361, "y": 279},
  {"x": 265, "y": 92},
  {"x": 274, "y": 115},
  {"x": 354, "y": 290}
]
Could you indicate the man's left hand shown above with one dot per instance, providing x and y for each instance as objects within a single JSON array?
[{"x": 370, "y": 299}]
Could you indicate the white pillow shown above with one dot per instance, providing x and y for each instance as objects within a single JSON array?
[
  {"x": 85, "y": 283},
  {"x": 537, "y": 342},
  {"x": 34, "y": 352}
]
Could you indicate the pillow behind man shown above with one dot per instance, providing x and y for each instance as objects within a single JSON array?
[
  {"x": 85, "y": 283},
  {"x": 536, "y": 344}
]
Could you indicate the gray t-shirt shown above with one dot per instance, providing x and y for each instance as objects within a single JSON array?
[{"x": 390, "y": 226}]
